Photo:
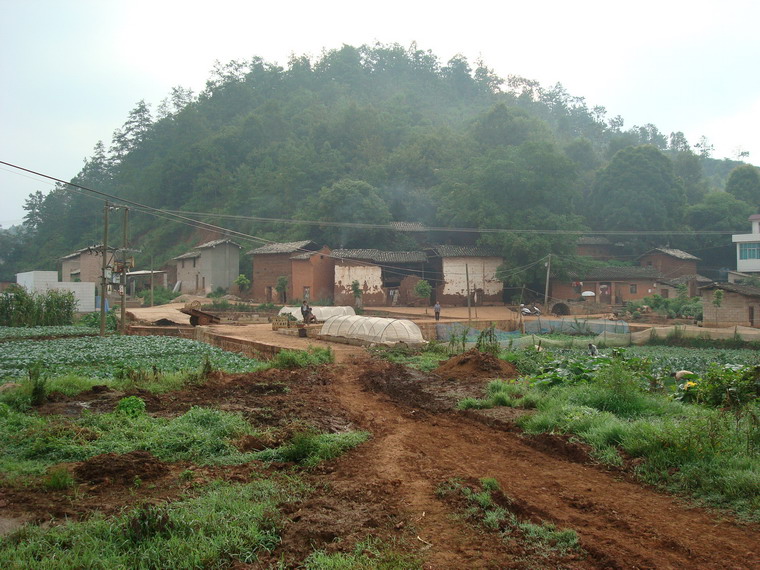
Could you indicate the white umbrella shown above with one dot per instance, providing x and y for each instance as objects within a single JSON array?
[{"x": 588, "y": 294}]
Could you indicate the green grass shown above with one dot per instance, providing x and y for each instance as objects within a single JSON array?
[
  {"x": 225, "y": 523},
  {"x": 313, "y": 356},
  {"x": 311, "y": 448},
  {"x": 370, "y": 554},
  {"x": 482, "y": 506}
]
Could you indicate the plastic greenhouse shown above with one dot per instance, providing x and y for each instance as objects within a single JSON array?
[
  {"x": 373, "y": 329},
  {"x": 322, "y": 313}
]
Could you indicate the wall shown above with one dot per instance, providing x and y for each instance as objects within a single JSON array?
[
  {"x": 187, "y": 271},
  {"x": 482, "y": 275},
  {"x": 669, "y": 266},
  {"x": 621, "y": 290},
  {"x": 733, "y": 310},
  {"x": 220, "y": 265},
  {"x": 41, "y": 281},
  {"x": 266, "y": 269},
  {"x": 369, "y": 278},
  {"x": 318, "y": 273}
]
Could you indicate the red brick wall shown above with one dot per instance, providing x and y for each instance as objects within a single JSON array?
[
  {"x": 669, "y": 266},
  {"x": 266, "y": 269},
  {"x": 564, "y": 291}
]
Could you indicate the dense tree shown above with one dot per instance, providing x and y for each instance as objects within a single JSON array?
[
  {"x": 636, "y": 191},
  {"x": 744, "y": 184}
]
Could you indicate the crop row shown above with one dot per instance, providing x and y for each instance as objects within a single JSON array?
[
  {"x": 17, "y": 333},
  {"x": 105, "y": 357}
]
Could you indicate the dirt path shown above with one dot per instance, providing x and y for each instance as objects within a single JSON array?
[{"x": 621, "y": 524}]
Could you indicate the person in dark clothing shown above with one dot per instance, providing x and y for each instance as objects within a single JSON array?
[{"x": 437, "y": 311}]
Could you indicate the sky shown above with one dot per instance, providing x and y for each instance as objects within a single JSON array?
[{"x": 73, "y": 69}]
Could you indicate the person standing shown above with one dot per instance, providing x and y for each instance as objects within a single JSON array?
[{"x": 437, "y": 311}]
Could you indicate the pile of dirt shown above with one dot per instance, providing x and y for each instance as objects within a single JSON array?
[
  {"x": 125, "y": 469},
  {"x": 476, "y": 365}
]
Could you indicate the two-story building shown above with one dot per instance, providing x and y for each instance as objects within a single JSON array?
[
  {"x": 748, "y": 248},
  {"x": 208, "y": 266}
]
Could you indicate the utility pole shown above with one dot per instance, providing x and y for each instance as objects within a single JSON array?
[
  {"x": 546, "y": 289},
  {"x": 151, "y": 280},
  {"x": 123, "y": 280},
  {"x": 104, "y": 285},
  {"x": 467, "y": 279}
]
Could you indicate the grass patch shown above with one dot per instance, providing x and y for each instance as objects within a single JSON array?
[
  {"x": 369, "y": 554},
  {"x": 313, "y": 356},
  {"x": 226, "y": 523},
  {"x": 310, "y": 448},
  {"x": 485, "y": 504}
]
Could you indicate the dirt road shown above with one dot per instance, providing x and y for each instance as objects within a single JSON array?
[{"x": 621, "y": 524}]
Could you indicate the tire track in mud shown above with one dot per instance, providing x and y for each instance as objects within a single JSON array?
[{"x": 621, "y": 524}]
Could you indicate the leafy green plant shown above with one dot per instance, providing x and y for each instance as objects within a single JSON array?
[
  {"x": 310, "y": 448},
  {"x": 38, "y": 383},
  {"x": 58, "y": 479},
  {"x": 131, "y": 406},
  {"x": 313, "y": 356},
  {"x": 487, "y": 341}
]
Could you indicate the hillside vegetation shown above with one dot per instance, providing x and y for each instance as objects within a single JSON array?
[{"x": 383, "y": 133}]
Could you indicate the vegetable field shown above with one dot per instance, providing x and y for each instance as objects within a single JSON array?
[{"x": 106, "y": 357}]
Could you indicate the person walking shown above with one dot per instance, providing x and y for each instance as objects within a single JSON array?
[{"x": 437, "y": 311}]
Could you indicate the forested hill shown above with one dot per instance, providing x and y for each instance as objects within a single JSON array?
[{"x": 385, "y": 133}]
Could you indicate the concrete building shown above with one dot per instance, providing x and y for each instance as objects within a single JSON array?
[
  {"x": 85, "y": 265},
  {"x": 42, "y": 281},
  {"x": 208, "y": 266},
  {"x": 748, "y": 248}
]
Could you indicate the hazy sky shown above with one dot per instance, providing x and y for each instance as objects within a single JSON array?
[{"x": 73, "y": 69}]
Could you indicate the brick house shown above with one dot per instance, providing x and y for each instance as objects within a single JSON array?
[
  {"x": 272, "y": 261},
  {"x": 596, "y": 247},
  {"x": 740, "y": 305},
  {"x": 670, "y": 262},
  {"x": 85, "y": 265},
  {"x": 313, "y": 275},
  {"x": 452, "y": 266},
  {"x": 208, "y": 266},
  {"x": 611, "y": 285},
  {"x": 385, "y": 277}
]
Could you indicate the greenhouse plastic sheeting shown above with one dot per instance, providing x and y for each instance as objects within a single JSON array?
[
  {"x": 373, "y": 329},
  {"x": 574, "y": 326},
  {"x": 322, "y": 313}
]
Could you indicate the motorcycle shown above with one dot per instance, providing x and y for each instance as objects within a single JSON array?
[{"x": 529, "y": 311}]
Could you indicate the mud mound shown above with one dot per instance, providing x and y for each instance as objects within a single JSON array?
[
  {"x": 476, "y": 365},
  {"x": 112, "y": 467}
]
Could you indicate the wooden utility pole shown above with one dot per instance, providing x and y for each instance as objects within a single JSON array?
[
  {"x": 123, "y": 280},
  {"x": 104, "y": 284},
  {"x": 151, "y": 280},
  {"x": 546, "y": 289}
]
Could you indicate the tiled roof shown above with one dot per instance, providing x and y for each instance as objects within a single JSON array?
[
  {"x": 286, "y": 247},
  {"x": 685, "y": 279},
  {"x": 593, "y": 240},
  {"x": 677, "y": 253},
  {"x": 408, "y": 226},
  {"x": 465, "y": 251},
  {"x": 378, "y": 256},
  {"x": 188, "y": 255},
  {"x": 746, "y": 290},
  {"x": 216, "y": 243},
  {"x": 303, "y": 256}
]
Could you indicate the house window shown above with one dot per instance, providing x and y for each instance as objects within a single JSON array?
[
  {"x": 749, "y": 250},
  {"x": 633, "y": 288},
  {"x": 194, "y": 261}
]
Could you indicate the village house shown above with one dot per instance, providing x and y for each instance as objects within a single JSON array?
[
  {"x": 610, "y": 285},
  {"x": 384, "y": 277},
  {"x": 85, "y": 265},
  {"x": 273, "y": 261},
  {"x": 596, "y": 247},
  {"x": 670, "y": 262},
  {"x": 313, "y": 275},
  {"x": 739, "y": 305},
  {"x": 456, "y": 269},
  {"x": 748, "y": 248},
  {"x": 208, "y": 267}
]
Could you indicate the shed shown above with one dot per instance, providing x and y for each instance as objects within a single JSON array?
[
  {"x": 740, "y": 305},
  {"x": 373, "y": 329}
]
